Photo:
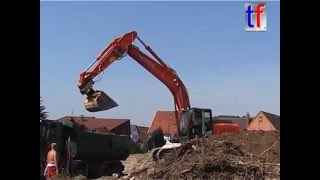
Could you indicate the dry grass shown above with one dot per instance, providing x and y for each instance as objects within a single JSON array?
[{"x": 80, "y": 177}]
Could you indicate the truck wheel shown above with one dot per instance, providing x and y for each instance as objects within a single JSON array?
[
  {"x": 42, "y": 168},
  {"x": 117, "y": 167},
  {"x": 104, "y": 170},
  {"x": 78, "y": 167}
]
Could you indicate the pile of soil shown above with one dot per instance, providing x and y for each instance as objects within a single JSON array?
[
  {"x": 103, "y": 130},
  {"x": 249, "y": 154}
]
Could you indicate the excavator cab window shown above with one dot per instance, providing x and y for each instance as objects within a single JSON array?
[
  {"x": 201, "y": 121},
  {"x": 197, "y": 118},
  {"x": 207, "y": 116}
]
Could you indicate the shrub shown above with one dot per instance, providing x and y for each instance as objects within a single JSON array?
[{"x": 156, "y": 139}]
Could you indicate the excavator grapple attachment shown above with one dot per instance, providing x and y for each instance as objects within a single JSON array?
[
  {"x": 157, "y": 153},
  {"x": 99, "y": 101}
]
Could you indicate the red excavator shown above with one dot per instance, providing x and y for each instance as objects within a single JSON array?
[{"x": 191, "y": 121}]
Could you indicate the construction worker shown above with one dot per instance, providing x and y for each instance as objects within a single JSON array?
[{"x": 52, "y": 163}]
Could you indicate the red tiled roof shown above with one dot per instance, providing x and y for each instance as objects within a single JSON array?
[
  {"x": 92, "y": 122},
  {"x": 166, "y": 121},
  {"x": 132, "y": 127},
  {"x": 142, "y": 129},
  {"x": 143, "y": 133}
]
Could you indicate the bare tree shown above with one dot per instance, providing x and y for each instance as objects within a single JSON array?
[{"x": 43, "y": 113}]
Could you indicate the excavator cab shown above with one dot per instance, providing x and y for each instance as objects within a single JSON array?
[
  {"x": 99, "y": 101},
  {"x": 195, "y": 122},
  {"x": 200, "y": 122}
]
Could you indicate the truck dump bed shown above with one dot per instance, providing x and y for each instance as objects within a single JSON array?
[
  {"x": 95, "y": 145},
  {"x": 84, "y": 145}
]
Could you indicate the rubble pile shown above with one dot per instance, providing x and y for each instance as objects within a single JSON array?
[{"x": 252, "y": 155}]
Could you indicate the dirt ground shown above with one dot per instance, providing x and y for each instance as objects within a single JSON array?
[{"x": 247, "y": 155}]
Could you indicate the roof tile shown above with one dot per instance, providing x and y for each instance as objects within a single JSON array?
[
  {"x": 166, "y": 121},
  {"x": 92, "y": 122},
  {"x": 274, "y": 119},
  {"x": 143, "y": 133}
]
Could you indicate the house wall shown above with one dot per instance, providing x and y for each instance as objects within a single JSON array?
[
  {"x": 261, "y": 123},
  {"x": 141, "y": 145},
  {"x": 123, "y": 129},
  {"x": 134, "y": 133}
]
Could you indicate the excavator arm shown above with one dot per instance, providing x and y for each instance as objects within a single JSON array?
[
  {"x": 120, "y": 47},
  {"x": 98, "y": 100},
  {"x": 116, "y": 50}
]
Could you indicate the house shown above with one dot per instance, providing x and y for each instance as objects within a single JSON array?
[
  {"x": 243, "y": 122},
  {"x": 265, "y": 121},
  {"x": 139, "y": 134},
  {"x": 117, "y": 126},
  {"x": 143, "y": 134},
  {"x": 166, "y": 121}
]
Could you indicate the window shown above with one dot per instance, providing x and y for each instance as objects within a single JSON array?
[
  {"x": 206, "y": 117},
  {"x": 207, "y": 120}
]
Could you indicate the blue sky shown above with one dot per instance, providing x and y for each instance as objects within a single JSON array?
[{"x": 223, "y": 67}]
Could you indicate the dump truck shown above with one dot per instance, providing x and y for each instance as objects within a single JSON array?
[{"x": 82, "y": 152}]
